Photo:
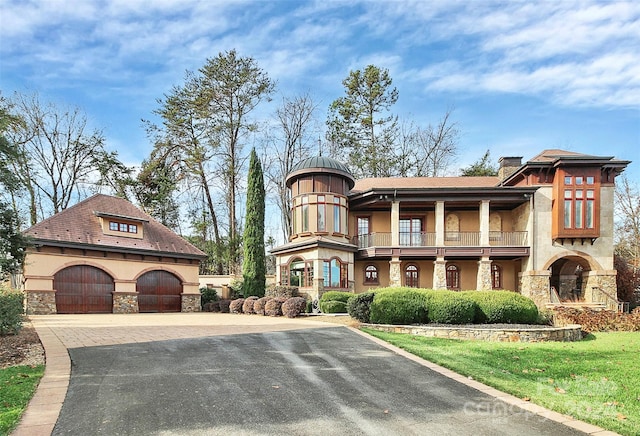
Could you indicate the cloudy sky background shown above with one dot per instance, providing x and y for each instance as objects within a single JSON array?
[{"x": 522, "y": 76}]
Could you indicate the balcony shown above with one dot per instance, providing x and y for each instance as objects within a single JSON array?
[{"x": 455, "y": 244}]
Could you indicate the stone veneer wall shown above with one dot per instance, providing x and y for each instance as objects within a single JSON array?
[
  {"x": 567, "y": 333},
  {"x": 40, "y": 302},
  {"x": 125, "y": 302},
  {"x": 535, "y": 285},
  {"x": 191, "y": 303}
]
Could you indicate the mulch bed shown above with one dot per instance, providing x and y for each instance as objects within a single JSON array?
[{"x": 21, "y": 349}]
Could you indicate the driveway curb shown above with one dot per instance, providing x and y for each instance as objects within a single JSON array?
[{"x": 507, "y": 398}]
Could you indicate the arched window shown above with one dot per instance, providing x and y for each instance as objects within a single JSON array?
[
  {"x": 335, "y": 274},
  {"x": 371, "y": 275},
  {"x": 300, "y": 273},
  {"x": 496, "y": 276},
  {"x": 453, "y": 277},
  {"x": 411, "y": 276}
]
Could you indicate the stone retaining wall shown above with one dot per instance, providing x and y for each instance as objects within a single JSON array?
[
  {"x": 567, "y": 333},
  {"x": 40, "y": 302}
]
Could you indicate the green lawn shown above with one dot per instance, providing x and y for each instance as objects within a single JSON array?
[
  {"x": 596, "y": 380},
  {"x": 17, "y": 385}
]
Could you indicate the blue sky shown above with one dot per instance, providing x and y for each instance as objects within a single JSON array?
[{"x": 522, "y": 76}]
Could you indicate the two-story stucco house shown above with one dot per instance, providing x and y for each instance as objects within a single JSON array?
[{"x": 543, "y": 228}]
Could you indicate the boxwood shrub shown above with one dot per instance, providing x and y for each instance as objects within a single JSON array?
[
  {"x": 497, "y": 307},
  {"x": 247, "y": 306},
  {"x": 333, "y": 306},
  {"x": 336, "y": 296},
  {"x": 294, "y": 306},
  {"x": 446, "y": 307},
  {"x": 359, "y": 306},
  {"x": 258, "y": 306},
  {"x": 399, "y": 306}
]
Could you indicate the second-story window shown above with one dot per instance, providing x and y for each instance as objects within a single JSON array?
[
  {"x": 411, "y": 231},
  {"x": 337, "y": 216},
  {"x": 321, "y": 214},
  {"x": 579, "y": 202},
  {"x": 305, "y": 214}
]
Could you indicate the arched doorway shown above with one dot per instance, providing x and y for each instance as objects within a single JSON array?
[
  {"x": 159, "y": 291},
  {"x": 567, "y": 278},
  {"x": 83, "y": 289}
]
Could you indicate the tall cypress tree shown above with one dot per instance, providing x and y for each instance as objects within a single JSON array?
[{"x": 253, "y": 266}]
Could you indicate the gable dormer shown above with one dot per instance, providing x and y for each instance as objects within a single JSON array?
[{"x": 121, "y": 225}]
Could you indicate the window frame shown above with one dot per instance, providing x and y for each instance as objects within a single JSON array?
[
  {"x": 371, "y": 276},
  {"x": 452, "y": 273},
  {"x": 411, "y": 275}
]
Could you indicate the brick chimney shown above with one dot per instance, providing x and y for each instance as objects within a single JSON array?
[{"x": 508, "y": 166}]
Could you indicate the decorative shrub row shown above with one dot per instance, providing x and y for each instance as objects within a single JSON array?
[
  {"x": 593, "y": 320},
  {"x": 11, "y": 310},
  {"x": 334, "y": 301},
  {"x": 420, "y": 306},
  {"x": 269, "y": 306}
]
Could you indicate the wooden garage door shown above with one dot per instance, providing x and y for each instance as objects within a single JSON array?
[
  {"x": 83, "y": 289},
  {"x": 159, "y": 291}
]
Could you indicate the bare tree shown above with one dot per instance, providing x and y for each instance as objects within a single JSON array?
[
  {"x": 427, "y": 152},
  {"x": 290, "y": 143},
  {"x": 627, "y": 210},
  {"x": 57, "y": 154}
]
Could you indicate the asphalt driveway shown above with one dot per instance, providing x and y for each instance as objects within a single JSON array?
[{"x": 319, "y": 381}]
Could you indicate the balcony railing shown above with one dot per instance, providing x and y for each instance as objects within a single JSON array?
[{"x": 428, "y": 239}]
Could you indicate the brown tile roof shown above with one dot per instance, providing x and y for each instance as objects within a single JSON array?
[
  {"x": 553, "y": 154},
  {"x": 79, "y": 225},
  {"x": 424, "y": 183}
]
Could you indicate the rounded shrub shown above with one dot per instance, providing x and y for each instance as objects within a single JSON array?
[
  {"x": 450, "y": 308},
  {"x": 207, "y": 295},
  {"x": 224, "y": 305},
  {"x": 333, "y": 306},
  {"x": 236, "y": 305},
  {"x": 247, "y": 306},
  {"x": 498, "y": 307},
  {"x": 11, "y": 310},
  {"x": 258, "y": 305},
  {"x": 294, "y": 306},
  {"x": 359, "y": 306},
  {"x": 274, "y": 306},
  {"x": 399, "y": 306},
  {"x": 336, "y": 296}
]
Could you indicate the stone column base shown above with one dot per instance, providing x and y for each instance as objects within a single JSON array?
[
  {"x": 125, "y": 302},
  {"x": 535, "y": 285},
  {"x": 440, "y": 273},
  {"x": 600, "y": 287},
  {"x": 191, "y": 303},
  {"x": 40, "y": 302},
  {"x": 395, "y": 273},
  {"x": 483, "y": 281}
]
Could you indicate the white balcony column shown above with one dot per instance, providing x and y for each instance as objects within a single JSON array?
[
  {"x": 439, "y": 223},
  {"x": 484, "y": 223},
  {"x": 395, "y": 223},
  {"x": 484, "y": 282}
]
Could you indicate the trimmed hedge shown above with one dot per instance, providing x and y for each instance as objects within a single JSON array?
[
  {"x": 294, "y": 306},
  {"x": 236, "y": 305},
  {"x": 333, "y": 306},
  {"x": 274, "y": 306},
  {"x": 497, "y": 307},
  {"x": 446, "y": 307},
  {"x": 247, "y": 306},
  {"x": 258, "y": 306},
  {"x": 224, "y": 305},
  {"x": 11, "y": 312},
  {"x": 359, "y": 306},
  {"x": 281, "y": 291},
  {"x": 399, "y": 306},
  {"x": 336, "y": 296}
]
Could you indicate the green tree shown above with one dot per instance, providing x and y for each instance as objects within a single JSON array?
[
  {"x": 13, "y": 244},
  {"x": 254, "y": 266},
  {"x": 481, "y": 167},
  {"x": 361, "y": 131},
  {"x": 207, "y": 119}
]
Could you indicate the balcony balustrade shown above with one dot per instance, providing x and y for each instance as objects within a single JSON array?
[{"x": 428, "y": 239}]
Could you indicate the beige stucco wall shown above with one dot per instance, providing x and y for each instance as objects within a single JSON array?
[{"x": 41, "y": 267}]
